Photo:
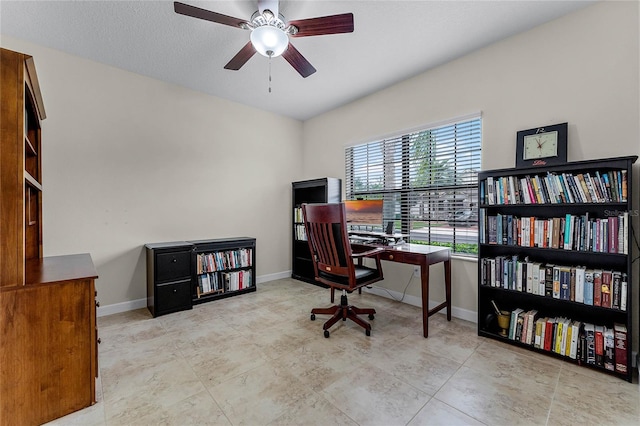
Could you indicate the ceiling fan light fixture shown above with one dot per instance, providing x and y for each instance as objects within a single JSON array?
[{"x": 269, "y": 41}]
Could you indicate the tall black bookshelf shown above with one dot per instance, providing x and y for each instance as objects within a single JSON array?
[
  {"x": 590, "y": 205},
  {"x": 323, "y": 190}
]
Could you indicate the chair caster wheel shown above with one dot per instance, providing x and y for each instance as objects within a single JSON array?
[
  {"x": 313, "y": 317},
  {"x": 326, "y": 334},
  {"x": 367, "y": 332},
  {"x": 371, "y": 316}
]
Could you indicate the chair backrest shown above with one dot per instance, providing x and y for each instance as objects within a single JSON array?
[{"x": 326, "y": 227}]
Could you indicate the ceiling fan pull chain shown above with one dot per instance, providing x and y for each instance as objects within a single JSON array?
[{"x": 270, "y": 73}]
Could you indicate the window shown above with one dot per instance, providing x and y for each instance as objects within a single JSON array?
[{"x": 428, "y": 180}]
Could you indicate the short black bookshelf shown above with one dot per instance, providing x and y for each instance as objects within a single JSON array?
[
  {"x": 323, "y": 190},
  {"x": 223, "y": 268},
  {"x": 555, "y": 255},
  {"x": 181, "y": 274}
]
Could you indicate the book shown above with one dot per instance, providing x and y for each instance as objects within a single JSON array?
[
  {"x": 519, "y": 325},
  {"x": 525, "y": 327},
  {"x": 539, "y": 333},
  {"x": 557, "y": 342},
  {"x": 605, "y": 294},
  {"x": 579, "y": 292},
  {"x": 566, "y": 338},
  {"x": 589, "y": 331},
  {"x": 615, "y": 289},
  {"x": 575, "y": 337},
  {"x": 597, "y": 287},
  {"x": 532, "y": 317},
  {"x": 623, "y": 292},
  {"x": 556, "y": 282},
  {"x": 565, "y": 283},
  {"x": 599, "y": 345},
  {"x": 548, "y": 334},
  {"x": 609, "y": 349},
  {"x": 621, "y": 343},
  {"x": 548, "y": 280},
  {"x": 588, "y": 287},
  {"x": 513, "y": 323}
]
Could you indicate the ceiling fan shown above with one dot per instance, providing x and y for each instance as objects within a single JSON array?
[{"x": 269, "y": 33}]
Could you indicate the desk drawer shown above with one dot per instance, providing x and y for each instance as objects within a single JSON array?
[
  {"x": 402, "y": 257},
  {"x": 173, "y": 297},
  {"x": 173, "y": 265}
]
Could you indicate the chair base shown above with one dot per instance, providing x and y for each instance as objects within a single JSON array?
[{"x": 343, "y": 312}]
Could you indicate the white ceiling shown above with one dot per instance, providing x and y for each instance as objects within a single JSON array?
[{"x": 392, "y": 40}]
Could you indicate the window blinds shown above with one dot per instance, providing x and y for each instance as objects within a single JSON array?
[{"x": 427, "y": 178}]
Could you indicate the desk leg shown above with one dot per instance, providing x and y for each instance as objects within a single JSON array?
[
  {"x": 424, "y": 281},
  {"x": 447, "y": 283}
]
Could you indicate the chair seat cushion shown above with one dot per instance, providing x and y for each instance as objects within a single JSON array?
[{"x": 363, "y": 275}]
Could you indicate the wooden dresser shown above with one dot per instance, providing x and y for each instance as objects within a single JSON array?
[{"x": 48, "y": 334}]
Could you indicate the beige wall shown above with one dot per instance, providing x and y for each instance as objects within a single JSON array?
[
  {"x": 582, "y": 69},
  {"x": 129, "y": 160}
]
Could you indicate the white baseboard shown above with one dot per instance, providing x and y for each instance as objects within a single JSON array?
[
  {"x": 456, "y": 312},
  {"x": 272, "y": 277},
  {"x": 116, "y": 308},
  {"x": 132, "y": 305}
]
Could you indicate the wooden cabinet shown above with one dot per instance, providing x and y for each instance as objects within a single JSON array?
[
  {"x": 183, "y": 273},
  {"x": 323, "y": 190},
  {"x": 21, "y": 175},
  {"x": 48, "y": 332},
  {"x": 555, "y": 252}
]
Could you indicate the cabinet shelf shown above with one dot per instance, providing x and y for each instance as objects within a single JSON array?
[
  {"x": 30, "y": 180},
  {"x": 29, "y": 150},
  {"x": 540, "y": 304}
]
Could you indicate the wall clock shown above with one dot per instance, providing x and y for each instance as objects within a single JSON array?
[{"x": 542, "y": 146}]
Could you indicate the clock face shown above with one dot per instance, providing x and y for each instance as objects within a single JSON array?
[{"x": 540, "y": 145}]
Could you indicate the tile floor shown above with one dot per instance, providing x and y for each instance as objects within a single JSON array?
[{"x": 257, "y": 359}]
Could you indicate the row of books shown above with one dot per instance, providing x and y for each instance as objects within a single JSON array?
[
  {"x": 595, "y": 287},
  {"x": 297, "y": 215},
  {"x": 301, "y": 233},
  {"x": 209, "y": 283},
  {"x": 571, "y": 232},
  {"x": 588, "y": 343},
  {"x": 222, "y": 260},
  {"x": 556, "y": 188},
  {"x": 216, "y": 282}
]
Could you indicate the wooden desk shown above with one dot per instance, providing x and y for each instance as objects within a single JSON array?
[{"x": 424, "y": 256}]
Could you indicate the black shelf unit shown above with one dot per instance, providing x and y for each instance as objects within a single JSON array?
[
  {"x": 548, "y": 306},
  {"x": 323, "y": 190},
  {"x": 225, "y": 245},
  {"x": 172, "y": 275}
]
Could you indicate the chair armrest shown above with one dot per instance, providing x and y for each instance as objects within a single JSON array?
[{"x": 359, "y": 250}]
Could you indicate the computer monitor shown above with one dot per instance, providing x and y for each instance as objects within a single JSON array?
[{"x": 364, "y": 212}]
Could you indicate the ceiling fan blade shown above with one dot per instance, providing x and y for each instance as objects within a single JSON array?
[
  {"x": 298, "y": 61},
  {"x": 207, "y": 15},
  {"x": 241, "y": 57},
  {"x": 334, "y": 24}
]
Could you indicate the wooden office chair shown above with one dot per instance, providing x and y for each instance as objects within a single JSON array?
[{"x": 333, "y": 262}]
